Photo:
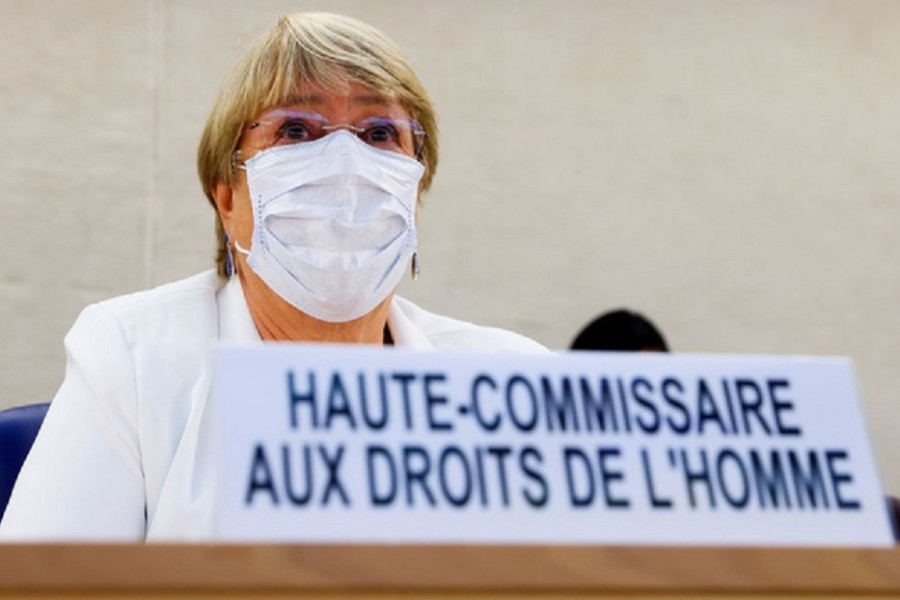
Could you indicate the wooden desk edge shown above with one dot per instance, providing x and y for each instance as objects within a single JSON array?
[{"x": 156, "y": 567}]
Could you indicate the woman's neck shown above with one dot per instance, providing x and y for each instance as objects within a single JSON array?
[{"x": 277, "y": 320}]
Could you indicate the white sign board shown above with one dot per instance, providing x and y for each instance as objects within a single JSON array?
[{"x": 367, "y": 445}]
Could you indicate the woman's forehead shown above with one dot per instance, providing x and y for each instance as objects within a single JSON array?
[{"x": 354, "y": 95}]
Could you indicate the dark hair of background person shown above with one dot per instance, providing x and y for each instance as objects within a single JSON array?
[{"x": 620, "y": 330}]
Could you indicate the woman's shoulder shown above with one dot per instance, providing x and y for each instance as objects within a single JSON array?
[
  {"x": 201, "y": 287},
  {"x": 182, "y": 299},
  {"x": 444, "y": 332},
  {"x": 181, "y": 306}
]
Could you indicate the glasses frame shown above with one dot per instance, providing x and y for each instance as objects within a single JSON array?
[{"x": 416, "y": 130}]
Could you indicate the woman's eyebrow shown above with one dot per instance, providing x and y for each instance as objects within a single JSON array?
[
  {"x": 318, "y": 100},
  {"x": 311, "y": 99},
  {"x": 370, "y": 100}
]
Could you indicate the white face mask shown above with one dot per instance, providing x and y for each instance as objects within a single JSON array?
[{"x": 333, "y": 223}]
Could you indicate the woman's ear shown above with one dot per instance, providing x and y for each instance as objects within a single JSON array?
[{"x": 223, "y": 195}]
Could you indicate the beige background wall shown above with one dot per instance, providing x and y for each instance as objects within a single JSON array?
[{"x": 728, "y": 167}]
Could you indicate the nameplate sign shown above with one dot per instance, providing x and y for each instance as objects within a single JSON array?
[{"x": 334, "y": 444}]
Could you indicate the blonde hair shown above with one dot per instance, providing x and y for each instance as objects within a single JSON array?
[{"x": 321, "y": 48}]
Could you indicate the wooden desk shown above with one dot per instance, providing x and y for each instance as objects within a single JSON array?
[{"x": 156, "y": 571}]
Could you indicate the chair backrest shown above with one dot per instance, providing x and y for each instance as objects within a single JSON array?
[{"x": 18, "y": 428}]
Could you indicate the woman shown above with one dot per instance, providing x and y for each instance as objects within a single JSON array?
[{"x": 314, "y": 157}]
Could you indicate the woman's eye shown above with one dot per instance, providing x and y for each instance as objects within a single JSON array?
[
  {"x": 381, "y": 133},
  {"x": 295, "y": 131}
]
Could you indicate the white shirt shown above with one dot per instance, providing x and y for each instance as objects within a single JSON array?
[{"x": 125, "y": 452}]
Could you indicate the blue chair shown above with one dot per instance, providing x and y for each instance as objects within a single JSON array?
[{"x": 18, "y": 428}]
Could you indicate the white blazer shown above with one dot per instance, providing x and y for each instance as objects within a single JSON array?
[{"x": 125, "y": 452}]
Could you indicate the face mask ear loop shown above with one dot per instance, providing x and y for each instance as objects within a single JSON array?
[{"x": 414, "y": 265}]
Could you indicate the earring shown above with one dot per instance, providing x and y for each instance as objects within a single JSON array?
[
  {"x": 414, "y": 265},
  {"x": 229, "y": 258}
]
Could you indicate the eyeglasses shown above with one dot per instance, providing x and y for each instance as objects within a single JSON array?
[{"x": 284, "y": 127}]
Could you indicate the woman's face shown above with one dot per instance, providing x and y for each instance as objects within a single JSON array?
[{"x": 314, "y": 112}]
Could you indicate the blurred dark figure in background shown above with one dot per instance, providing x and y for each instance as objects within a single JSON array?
[
  {"x": 620, "y": 330},
  {"x": 894, "y": 508}
]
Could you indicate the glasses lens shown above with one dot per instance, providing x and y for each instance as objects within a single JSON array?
[
  {"x": 281, "y": 127},
  {"x": 393, "y": 135}
]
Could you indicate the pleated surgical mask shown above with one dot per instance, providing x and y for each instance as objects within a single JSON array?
[{"x": 333, "y": 223}]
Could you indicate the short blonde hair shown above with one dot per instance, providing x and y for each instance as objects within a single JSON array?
[{"x": 325, "y": 49}]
